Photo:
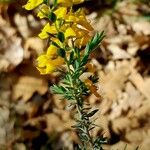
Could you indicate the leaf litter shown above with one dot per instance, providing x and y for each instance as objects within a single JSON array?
[{"x": 30, "y": 112}]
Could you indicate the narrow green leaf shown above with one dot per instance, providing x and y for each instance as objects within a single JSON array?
[
  {"x": 61, "y": 36},
  {"x": 52, "y": 17},
  {"x": 71, "y": 59},
  {"x": 61, "y": 52},
  {"x": 93, "y": 113}
]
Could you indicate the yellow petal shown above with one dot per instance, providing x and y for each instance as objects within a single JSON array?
[
  {"x": 54, "y": 64},
  {"x": 57, "y": 41},
  {"x": 31, "y": 4},
  {"x": 70, "y": 33},
  {"x": 49, "y": 68},
  {"x": 78, "y": 1},
  {"x": 66, "y": 3},
  {"x": 52, "y": 50},
  {"x": 41, "y": 70},
  {"x": 71, "y": 18},
  {"x": 42, "y": 60},
  {"x": 83, "y": 22},
  {"x": 43, "y": 12},
  {"x": 58, "y": 61},
  {"x": 61, "y": 12},
  {"x": 47, "y": 29}
]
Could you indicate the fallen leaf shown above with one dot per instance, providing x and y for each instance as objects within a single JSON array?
[
  {"x": 117, "y": 52},
  {"x": 27, "y": 85}
]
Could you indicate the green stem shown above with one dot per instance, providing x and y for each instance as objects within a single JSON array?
[{"x": 78, "y": 105}]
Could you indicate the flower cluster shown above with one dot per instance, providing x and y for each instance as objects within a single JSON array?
[
  {"x": 70, "y": 44},
  {"x": 65, "y": 28}
]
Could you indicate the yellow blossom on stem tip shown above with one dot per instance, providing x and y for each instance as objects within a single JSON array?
[
  {"x": 61, "y": 12},
  {"x": 69, "y": 33},
  {"x": 44, "y": 11},
  {"x": 50, "y": 61},
  {"x": 48, "y": 29},
  {"x": 31, "y": 4},
  {"x": 69, "y": 3}
]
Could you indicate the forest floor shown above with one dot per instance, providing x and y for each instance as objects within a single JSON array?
[{"x": 32, "y": 118}]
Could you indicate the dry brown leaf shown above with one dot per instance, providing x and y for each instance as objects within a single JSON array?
[
  {"x": 142, "y": 26},
  {"x": 134, "y": 99},
  {"x": 130, "y": 99},
  {"x": 6, "y": 127},
  {"x": 113, "y": 81},
  {"x": 141, "y": 137},
  {"x": 104, "y": 23},
  {"x": 121, "y": 125},
  {"x": 117, "y": 52},
  {"x": 143, "y": 112},
  {"x": 12, "y": 56},
  {"x": 54, "y": 123},
  {"x": 27, "y": 85},
  {"x": 22, "y": 25},
  {"x": 143, "y": 85},
  {"x": 121, "y": 146},
  {"x": 30, "y": 46}
]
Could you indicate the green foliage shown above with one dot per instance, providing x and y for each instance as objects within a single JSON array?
[
  {"x": 61, "y": 52},
  {"x": 52, "y": 17},
  {"x": 75, "y": 90},
  {"x": 91, "y": 46},
  {"x": 61, "y": 36}
]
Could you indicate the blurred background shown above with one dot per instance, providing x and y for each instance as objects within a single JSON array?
[{"x": 32, "y": 118}]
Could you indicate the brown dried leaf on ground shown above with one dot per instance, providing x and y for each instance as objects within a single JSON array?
[
  {"x": 6, "y": 127},
  {"x": 26, "y": 86},
  {"x": 142, "y": 84},
  {"x": 113, "y": 81},
  {"x": 141, "y": 27},
  {"x": 121, "y": 145},
  {"x": 117, "y": 52},
  {"x": 11, "y": 51},
  {"x": 55, "y": 123},
  {"x": 130, "y": 99},
  {"x": 33, "y": 46},
  {"x": 121, "y": 125},
  {"x": 26, "y": 25}
]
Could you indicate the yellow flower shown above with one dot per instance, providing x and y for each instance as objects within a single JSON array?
[
  {"x": 78, "y": 1},
  {"x": 82, "y": 36},
  {"x": 80, "y": 19},
  {"x": 43, "y": 12},
  {"x": 47, "y": 30},
  {"x": 69, "y": 33},
  {"x": 47, "y": 63},
  {"x": 31, "y": 4},
  {"x": 68, "y": 3},
  {"x": 52, "y": 51},
  {"x": 60, "y": 12},
  {"x": 57, "y": 41}
]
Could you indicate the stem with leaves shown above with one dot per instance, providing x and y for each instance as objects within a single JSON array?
[{"x": 75, "y": 90}]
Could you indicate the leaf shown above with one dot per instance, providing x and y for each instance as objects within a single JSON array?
[
  {"x": 61, "y": 52},
  {"x": 71, "y": 60},
  {"x": 58, "y": 89},
  {"x": 92, "y": 113},
  {"x": 95, "y": 41},
  {"x": 25, "y": 87},
  {"x": 12, "y": 56},
  {"x": 117, "y": 52},
  {"x": 61, "y": 36},
  {"x": 52, "y": 17}
]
